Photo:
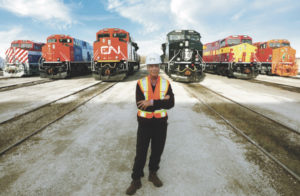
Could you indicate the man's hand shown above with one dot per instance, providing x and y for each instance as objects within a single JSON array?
[
  {"x": 167, "y": 97},
  {"x": 144, "y": 104}
]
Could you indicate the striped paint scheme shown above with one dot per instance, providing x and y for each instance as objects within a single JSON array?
[{"x": 13, "y": 54}]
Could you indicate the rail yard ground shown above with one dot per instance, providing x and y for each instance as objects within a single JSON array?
[{"x": 81, "y": 136}]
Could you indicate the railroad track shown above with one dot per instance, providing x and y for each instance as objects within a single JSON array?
[
  {"x": 16, "y": 130},
  {"x": 25, "y": 84},
  {"x": 296, "y": 78},
  {"x": 269, "y": 136},
  {"x": 277, "y": 85}
]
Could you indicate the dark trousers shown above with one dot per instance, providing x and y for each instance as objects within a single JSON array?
[{"x": 154, "y": 131}]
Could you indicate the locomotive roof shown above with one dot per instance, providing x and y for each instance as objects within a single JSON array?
[
  {"x": 60, "y": 35},
  {"x": 26, "y": 41},
  {"x": 112, "y": 30},
  {"x": 229, "y": 37},
  {"x": 183, "y": 32},
  {"x": 272, "y": 40}
]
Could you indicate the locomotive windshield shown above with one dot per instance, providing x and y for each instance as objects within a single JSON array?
[
  {"x": 285, "y": 44},
  {"x": 248, "y": 41},
  {"x": 51, "y": 40},
  {"x": 232, "y": 42},
  {"x": 15, "y": 45},
  {"x": 67, "y": 40},
  {"x": 274, "y": 44},
  {"x": 26, "y": 45},
  {"x": 176, "y": 37},
  {"x": 103, "y": 35},
  {"x": 193, "y": 37},
  {"x": 120, "y": 35}
]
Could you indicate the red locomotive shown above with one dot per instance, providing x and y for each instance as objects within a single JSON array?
[
  {"x": 277, "y": 57},
  {"x": 115, "y": 55},
  {"x": 233, "y": 56},
  {"x": 64, "y": 56}
]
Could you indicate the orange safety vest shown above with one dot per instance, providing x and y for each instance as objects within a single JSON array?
[{"x": 160, "y": 92}]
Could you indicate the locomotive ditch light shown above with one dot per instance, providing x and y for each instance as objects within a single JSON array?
[
  {"x": 58, "y": 59},
  {"x": 186, "y": 43},
  {"x": 181, "y": 44}
]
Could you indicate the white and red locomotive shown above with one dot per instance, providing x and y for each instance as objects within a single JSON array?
[
  {"x": 22, "y": 58},
  {"x": 115, "y": 55}
]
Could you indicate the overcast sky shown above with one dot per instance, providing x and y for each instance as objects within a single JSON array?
[{"x": 148, "y": 21}]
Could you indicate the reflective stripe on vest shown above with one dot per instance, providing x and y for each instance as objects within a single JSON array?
[{"x": 160, "y": 92}]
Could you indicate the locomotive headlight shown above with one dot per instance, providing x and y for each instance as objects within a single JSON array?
[
  {"x": 117, "y": 57},
  {"x": 98, "y": 57},
  {"x": 186, "y": 43},
  {"x": 58, "y": 59},
  {"x": 187, "y": 55},
  {"x": 181, "y": 44}
]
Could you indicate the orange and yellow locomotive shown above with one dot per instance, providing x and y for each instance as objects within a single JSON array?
[{"x": 277, "y": 57}]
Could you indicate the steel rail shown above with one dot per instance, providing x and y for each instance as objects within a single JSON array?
[
  {"x": 296, "y": 176},
  {"x": 60, "y": 117}
]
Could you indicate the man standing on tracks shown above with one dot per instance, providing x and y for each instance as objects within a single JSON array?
[{"x": 153, "y": 96}]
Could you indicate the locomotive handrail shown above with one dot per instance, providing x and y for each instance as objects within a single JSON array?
[
  {"x": 202, "y": 61},
  {"x": 174, "y": 56}
]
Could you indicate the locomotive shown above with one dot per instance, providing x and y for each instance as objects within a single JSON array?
[
  {"x": 277, "y": 57},
  {"x": 22, "y": 58},
  {"x": 182, "y": 56},
  {"x": 64, "y": 56},
  {"x": 233, "y": 56},
  {"x": 115, "y": 55}
]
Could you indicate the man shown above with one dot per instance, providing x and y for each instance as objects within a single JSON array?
[{"x": 153, "y": 96}]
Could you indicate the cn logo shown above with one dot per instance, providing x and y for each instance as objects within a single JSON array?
[{"x": 108, "y": 49}]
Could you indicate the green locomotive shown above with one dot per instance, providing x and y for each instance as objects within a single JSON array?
[{"x": 182, "y": 56}]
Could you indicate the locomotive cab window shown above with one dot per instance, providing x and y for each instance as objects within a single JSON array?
[
  {"x": 120, "y": 35},
  {"x": 193, "y": 37},
  {"x": 223, "y": 43},
  {"x": 65, "y": 40},
  {"x": 248, "y": 41},
  {"x": 176, "y": 37},
  {"x": 263, "y": 46},
  {"x": 285, "y": 44},
  {"x": 15, "y": 45},
  {"x": 103, "y": 35},
  {"x": 26, "y": 45},
  {"x": 232, "y": 42},
  {"x": 274, "y": 45},
  {"x": 51, "y": 40}
]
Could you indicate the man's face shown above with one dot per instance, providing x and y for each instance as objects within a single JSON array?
[{"x": 153, "y": 70}]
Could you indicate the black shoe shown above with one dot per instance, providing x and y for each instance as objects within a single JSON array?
[
  {"x": 154, "y": 179},
  {"x": 135, "y": 185}
]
